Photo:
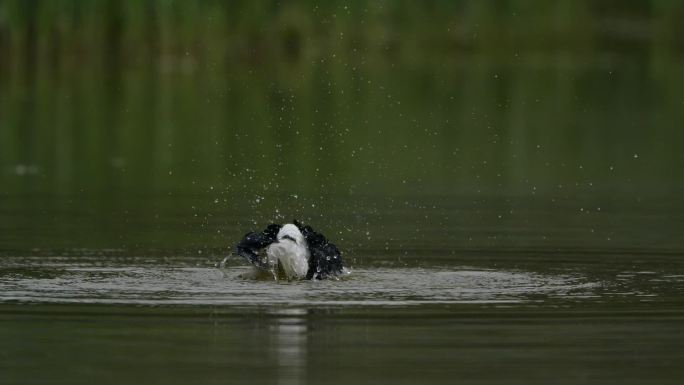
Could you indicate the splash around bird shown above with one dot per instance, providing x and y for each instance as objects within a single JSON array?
[{"x": 292, "y": 251}]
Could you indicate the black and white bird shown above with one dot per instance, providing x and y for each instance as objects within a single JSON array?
[{"x": 294, "y": 250}]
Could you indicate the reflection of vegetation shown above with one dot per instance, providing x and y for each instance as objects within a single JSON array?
[
  {"x": 217, "y": 32},
  {"x": 392, "y": 97}
]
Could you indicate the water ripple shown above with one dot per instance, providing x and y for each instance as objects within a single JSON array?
[{"x": 385, "y": 286}]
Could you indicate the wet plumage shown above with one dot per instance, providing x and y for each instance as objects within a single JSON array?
[{"x": 297, "y": 250}]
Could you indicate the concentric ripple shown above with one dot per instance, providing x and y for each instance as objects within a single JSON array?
[{"x": 110, "y": 282}]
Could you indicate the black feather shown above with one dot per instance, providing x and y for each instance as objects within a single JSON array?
[
  {"x": 326, "y": 259},
  {"x": 253, "y": 242}
]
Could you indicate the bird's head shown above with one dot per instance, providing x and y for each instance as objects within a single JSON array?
[{"x": 290, "y": 233}]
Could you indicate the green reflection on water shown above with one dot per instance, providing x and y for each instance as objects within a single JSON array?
[
  {"x": 123, "y": 106},
  {"x": 447, "y": 116},
  {"x": 516, "y": 135}
]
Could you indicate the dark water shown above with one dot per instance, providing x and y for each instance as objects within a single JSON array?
[
  {"x": 510, "y": 213},
  {"x": 491, "y": 304}
]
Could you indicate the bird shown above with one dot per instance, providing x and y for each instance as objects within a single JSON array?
[{"x": 294, "y": 250}]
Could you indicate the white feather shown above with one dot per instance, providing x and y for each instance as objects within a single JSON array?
[{"x": 291, "y": 252}]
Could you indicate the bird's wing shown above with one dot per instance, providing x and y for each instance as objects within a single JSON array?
[
  {"x": 326, "y": 259},
  {"x": 252, "y": 242}
]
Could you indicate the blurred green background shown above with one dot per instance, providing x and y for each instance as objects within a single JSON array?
[
  {"x": 241, "y": 112},
  {"x": 503, "y": 177}
]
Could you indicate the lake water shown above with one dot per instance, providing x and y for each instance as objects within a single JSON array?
[
  {"x": 508, "y": 215},
  {"x": 491, "y": 304}
]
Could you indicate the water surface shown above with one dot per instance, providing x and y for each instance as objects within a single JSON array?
[
  {"x": 448, "y": 313},
  {"x": 503, "y": 178}
]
